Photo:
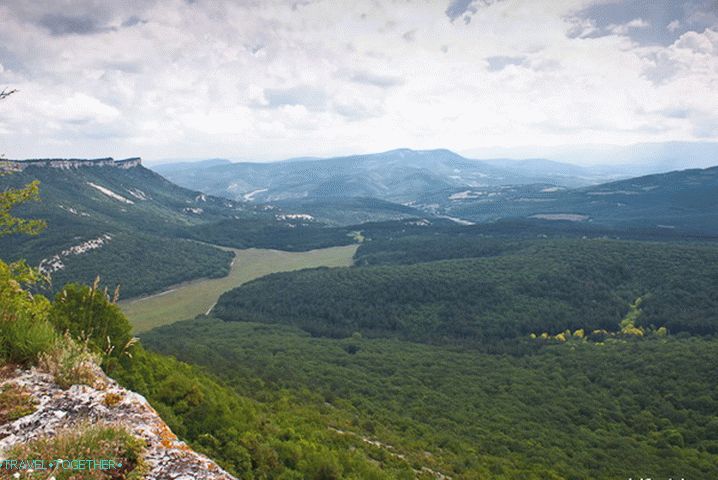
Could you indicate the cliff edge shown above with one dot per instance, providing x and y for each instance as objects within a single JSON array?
[
  {"x": 9, "y": 165},
  {"x": 106, "y": 403}
]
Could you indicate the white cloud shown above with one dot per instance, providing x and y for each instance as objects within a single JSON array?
[
  {"x": 628, "y": 26},
  {"x": 264, "y": 80}
]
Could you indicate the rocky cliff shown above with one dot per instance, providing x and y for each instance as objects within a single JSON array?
[
  {"x": 68, "y": 163},
  {"x": 105, "y": 403}
]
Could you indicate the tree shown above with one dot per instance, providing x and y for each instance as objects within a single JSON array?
[
  {"x": 12, "y": 197},
  {"x": 24, "y": 329}
]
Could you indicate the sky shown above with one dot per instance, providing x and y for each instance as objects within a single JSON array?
[{"x": 265, "y": 80}]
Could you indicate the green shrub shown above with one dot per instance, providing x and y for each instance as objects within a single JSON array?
[
  {"x": 89, "y": 314},
  {"x": 24, "y": 329}
]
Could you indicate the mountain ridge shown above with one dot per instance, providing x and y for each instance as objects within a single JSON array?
[{"x": 14, "y": 165}]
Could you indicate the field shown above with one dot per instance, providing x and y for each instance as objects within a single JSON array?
[{"x": 190, "y": 299}]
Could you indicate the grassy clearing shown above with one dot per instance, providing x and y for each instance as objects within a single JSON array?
[{"x": 190, "y": 299}]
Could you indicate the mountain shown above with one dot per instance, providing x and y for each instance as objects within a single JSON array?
[
  {"x": 624, "y": 160},
  {"x": 685, "y": 200},
  {"x": 569, "y": 173},
  {"x": 398, "y": 176},
  {"x": 134, "y": 227}
]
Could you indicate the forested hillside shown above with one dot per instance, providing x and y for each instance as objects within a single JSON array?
[
  {"x": 512, "y": 289},
  {"x": 683, "y": 200},
  {"x": 619, "y": 409},
  {"x": 133, "y": 227},
  {"x": 484, "y": 356}
]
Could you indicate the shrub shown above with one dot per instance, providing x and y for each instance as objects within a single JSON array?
[
  {"x": 112, "y": 399},
  {"x": 24, "y": 329},
  {"x": 88, "y": 314}
]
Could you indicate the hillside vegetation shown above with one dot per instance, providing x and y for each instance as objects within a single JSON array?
[
  {"x": 133, "y": 227},
  {"x": 621, "y": 409},
  {"x": 683, "y": 200},
  {"x": 518, "y": 289}
]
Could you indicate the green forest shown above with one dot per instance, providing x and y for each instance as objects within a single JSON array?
[
  {"x": 512, "y": 290},
  {"x": 580, "y": 409}
]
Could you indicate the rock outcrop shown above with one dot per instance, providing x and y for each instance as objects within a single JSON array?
[
  {"x": 68, "y": 163},
  {"x": 56, "y": 409}
]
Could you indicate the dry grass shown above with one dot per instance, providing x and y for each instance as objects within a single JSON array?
[{"x": 70, "y": 363}]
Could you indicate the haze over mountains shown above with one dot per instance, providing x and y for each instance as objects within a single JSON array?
[
  {"x": 397, "y": 175},
  {"x": 403, "y": 183},
  {"x": 631, "y": 160}
]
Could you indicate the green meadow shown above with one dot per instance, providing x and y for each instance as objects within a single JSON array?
[{"x": 190, "y": 299}]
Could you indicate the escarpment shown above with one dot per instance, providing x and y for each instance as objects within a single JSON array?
[{"x": 36, "y": 411}]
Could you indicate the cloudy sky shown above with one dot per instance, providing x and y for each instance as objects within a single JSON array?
[{"x": 260, "y": 80}]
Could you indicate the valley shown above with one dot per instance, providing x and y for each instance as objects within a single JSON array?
[
  {"x": 185, "y": 301},
  {"x": 467, "y": 332},
  {"x": 366, "y": 240}
]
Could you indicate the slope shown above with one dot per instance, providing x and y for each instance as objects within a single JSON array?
[
  {"x": 684, "y": 200},
  {"x": 135, "y": 228},
  {"x": 545, "y": 285}
]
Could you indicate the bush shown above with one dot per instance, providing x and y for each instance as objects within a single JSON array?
[
  {"x": 88, "y": 314},
  {"x": 24, "y": 329},
  {"x": 15, "y": 402}
]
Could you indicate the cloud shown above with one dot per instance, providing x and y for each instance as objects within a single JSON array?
[
  {"x": 500, "y": 62},
  {"x": 466, "y": 8},
  {"x": 132, "y": 21},
  {"x": 658, "y": 22},
  {"x": 59, "y": 24},
  {"x": 409, "y": 35},
  {"x": 457, "y": 8},
  {"x": 310, "y": 97},
  {"x": 626, "y": 28},
  {"x": 158, "y": 77},
  {"x": 375, "y": 80}
]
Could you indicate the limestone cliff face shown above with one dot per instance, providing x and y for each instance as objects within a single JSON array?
[
  {"x": 68, "y": 163},
  {"x": 56, "y": 409}
]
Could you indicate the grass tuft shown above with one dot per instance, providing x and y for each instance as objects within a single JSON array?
[{"x": 87, "y": 442}]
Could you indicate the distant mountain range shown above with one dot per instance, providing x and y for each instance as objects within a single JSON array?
[
  {"x": 684, "y": 200},
  {"x": 444, "y": 184},
  {"x": 617, "y": 160},
  {"x": 398, "y": 176},
  {"x": 143, "y": 231}
]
